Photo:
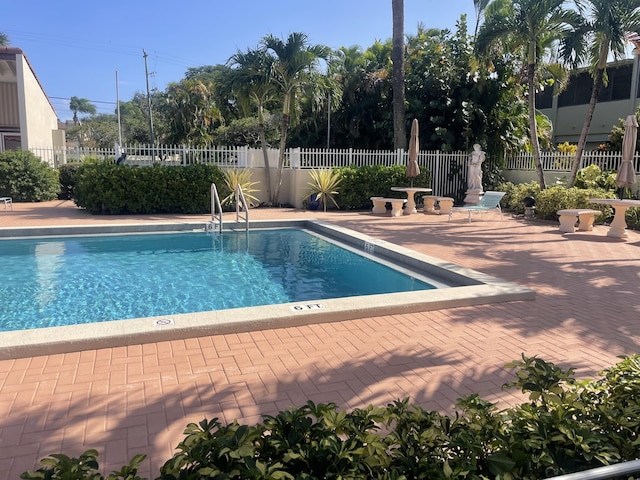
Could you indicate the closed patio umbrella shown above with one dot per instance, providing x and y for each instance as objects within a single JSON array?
[
  {"x": 626, "y": 176},
  {"x": 413, "y": 170}
]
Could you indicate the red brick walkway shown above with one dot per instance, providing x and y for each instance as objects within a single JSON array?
[{"x": 138, "y": 399}]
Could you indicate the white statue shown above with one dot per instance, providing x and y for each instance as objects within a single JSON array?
[{"x": 476, "y": 158}]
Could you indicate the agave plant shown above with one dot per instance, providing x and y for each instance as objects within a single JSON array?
[
  {"x": 233, "y": 178},
  {"x": 324, "y": 186}
]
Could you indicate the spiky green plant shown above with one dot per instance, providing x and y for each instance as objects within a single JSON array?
[
  {"x": 233, "y": 178},
  {"x": 324, "y": 184}
]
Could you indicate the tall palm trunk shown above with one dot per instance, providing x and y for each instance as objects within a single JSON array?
[
  {"x": 284, "y": 127},
  {"x": 577, "y": 159},
  {"x": 397, "y": 59},
  {"x": 265, "y": 153},
  {"x": 533, "y": 126},
  {"x": 586, "y": 126}
]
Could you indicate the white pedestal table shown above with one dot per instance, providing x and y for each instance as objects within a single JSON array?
[{"x": 411, "y": 201}]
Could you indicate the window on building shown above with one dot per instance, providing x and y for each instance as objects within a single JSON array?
[
  {"x": 10, "y": 142},
  {"x": 619, "y": 87},
  {"x": 579, "y": 90}
]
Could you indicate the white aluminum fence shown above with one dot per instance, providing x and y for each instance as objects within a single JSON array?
[
  {"x": 323, "y": 158},
  {"x": 561, "y": 162},
  {"x": 149, "y": 155},
  {"x": 448, "y": 170},
  {"x": 314, "y": 157}
]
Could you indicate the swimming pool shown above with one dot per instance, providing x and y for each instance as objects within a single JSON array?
[
  {"x": 60, "y": 281},
  {"x": 465, "y": 287}
]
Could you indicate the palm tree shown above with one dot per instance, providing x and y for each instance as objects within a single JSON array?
[
  {"x": 479, "y": 6},
  {"x": 191, "y": 111},
  {"x": 527, "y": 29},
  {"x": 81, "y": 105},
  {"x": 294, "y": 60},
  {"x": 251, "y": 81},
  {"x": 397, "y": 59},
  {"x": 4, "y": 40},
  {"x": 607, "y": 23}
]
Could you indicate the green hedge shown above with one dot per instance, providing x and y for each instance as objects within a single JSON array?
[
  {"x": 359, "y": 184},
  {"x": 26, "y": 178},
  {"x": 67, "y": 174},
  {"x": 554, "y": 198},
  {"x": 107, "y": 188},
  {"x": 565, "y": 426}
]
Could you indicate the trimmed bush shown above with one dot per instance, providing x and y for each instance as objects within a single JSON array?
[
  {"x": 67, "y": 174},
  {"x": 107, "y": 188},
  {"x": 26, "y": 178},
  {"x": 515, "y": 194},
  {"x": 555, "y": 198},
  {"x": 633, "y": 218},
  {"x": 359, "y": 184}
]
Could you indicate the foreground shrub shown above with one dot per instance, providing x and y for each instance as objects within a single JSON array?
[
  {"x": 26, "y": 178},
  {"x": 119, "y": 189},
  {"x": 565, "y": 426}
]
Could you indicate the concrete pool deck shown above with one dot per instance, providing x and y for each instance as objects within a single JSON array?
[{"x": 138, "y": 399}]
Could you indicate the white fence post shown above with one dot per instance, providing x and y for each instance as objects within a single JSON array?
[
  {"x": 294, "y": 157},
  {"x": 243, "y": 157}
]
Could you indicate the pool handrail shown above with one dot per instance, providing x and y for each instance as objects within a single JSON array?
[
  {"x": 241, "y": 204},
  {"x": 216, "y": 206}
]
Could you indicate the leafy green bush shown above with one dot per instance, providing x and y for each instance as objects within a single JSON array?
[
  {"x": 565, "y": 426},
  {"x": 359, "y": 184},
  {"x": 555, "y": 198},
  {"x": 593, "y": 177},
  {"x": 632, "y": 217},
  {"x": 26, "y": 178},
  {"x": 119, "y": 189},
  {"x": 85, "y": 467},
  {"x": 67, "y": 174},
  {"x": 515, "y": 194}
]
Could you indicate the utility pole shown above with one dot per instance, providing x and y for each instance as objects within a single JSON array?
[
  {"x": 118, "y": 111},
  {"x": 146, "y": 71},
  {"x": 329, "y": 121}
]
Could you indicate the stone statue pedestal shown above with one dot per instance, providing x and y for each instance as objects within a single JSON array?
[{"x": 473, "y": 196}]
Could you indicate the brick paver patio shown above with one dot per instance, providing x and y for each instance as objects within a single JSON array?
[{"x": 138, "y": 399}]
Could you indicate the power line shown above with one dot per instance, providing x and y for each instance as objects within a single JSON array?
[
  {"x": 92, "y": 101},
  {"x": 94, "y": 46}
]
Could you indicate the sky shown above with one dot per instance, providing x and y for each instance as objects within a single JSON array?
[{"x": 76, "y": 47}]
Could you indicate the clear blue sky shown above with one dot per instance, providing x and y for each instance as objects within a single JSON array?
[{"x": 75, "y": 47}]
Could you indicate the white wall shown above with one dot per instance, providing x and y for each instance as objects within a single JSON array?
[
  {"x": 294, "y": 185},
  {"x": 38, "y": 119}
]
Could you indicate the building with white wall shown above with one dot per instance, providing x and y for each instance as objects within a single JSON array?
[{"x": 27, "y": 118}]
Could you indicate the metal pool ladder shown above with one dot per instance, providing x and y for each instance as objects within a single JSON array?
[
  {"x": 215, "y": 225},
  {"x": 241, "y": 204}
]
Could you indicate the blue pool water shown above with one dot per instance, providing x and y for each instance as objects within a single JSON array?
[{"x": 78, "y": 280}]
